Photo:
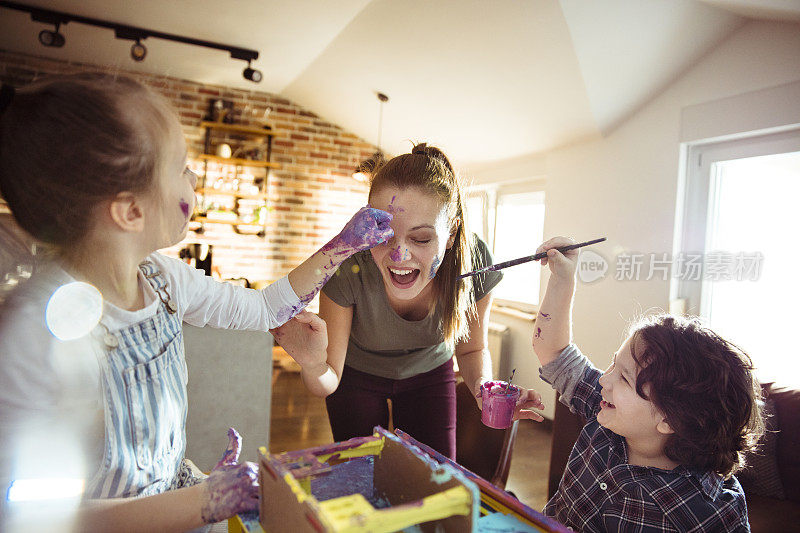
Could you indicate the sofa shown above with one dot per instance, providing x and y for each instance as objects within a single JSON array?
[{"x": 771, "y": 480}]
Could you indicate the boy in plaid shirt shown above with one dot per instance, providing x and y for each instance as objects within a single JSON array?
[{"x": 667, "y": 423}]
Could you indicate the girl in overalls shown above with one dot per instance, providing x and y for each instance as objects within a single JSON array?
[{"x": 92, "y": 368}]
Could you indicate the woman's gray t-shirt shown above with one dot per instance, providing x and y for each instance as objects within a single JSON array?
[{"x": 382, "y": 342}]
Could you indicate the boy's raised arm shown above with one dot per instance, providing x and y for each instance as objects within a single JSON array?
[{"x": 553, "y": 328}]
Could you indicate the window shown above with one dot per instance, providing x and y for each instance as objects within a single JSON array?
[
  {"x": 740, "y": 214},
  {"x": 511, "y": 222}
]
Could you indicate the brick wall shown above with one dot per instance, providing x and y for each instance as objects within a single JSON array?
[{"x": 311, "y": 195}]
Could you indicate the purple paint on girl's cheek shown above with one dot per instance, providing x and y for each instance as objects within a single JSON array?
[
  {"x": 545, "y": 316},
  {"x": 538, "y": 333},
  {"x": 185, "y": 207}
]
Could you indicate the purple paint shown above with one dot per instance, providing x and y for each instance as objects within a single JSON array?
[
  {"x": 231, "y": 454},
  {"x": 367, "y": 228},
  {"x": 499, "y": 400},
  {"x": 538, "y": 333},
  {"x": 285, "y": 314},
  {"x": 312, "y": 467},
  {"x": 435, "y": 266},
  {"x": 353, "y": 476},
  {"x": 184, "y": 207},
  {"x": 232, "y": 487},
  {"x": 544, "y": 315},
  {"x": 392, "y": 209},
  {"x": 326, "y": 449},
  {"x": 399, "y": 256}
]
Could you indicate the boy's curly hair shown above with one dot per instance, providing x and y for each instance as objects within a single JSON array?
[{"x": 704, "y": 386}]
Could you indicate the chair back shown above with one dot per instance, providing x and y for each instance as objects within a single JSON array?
[{"x": 479, "y": 448}]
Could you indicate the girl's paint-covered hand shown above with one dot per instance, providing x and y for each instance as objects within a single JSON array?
[
  {"x": 562, "y": 265},
  {"x": 305, "y": 339},
  {"x": 368, "y": 227},
  {"x": 231, "y": 488}
]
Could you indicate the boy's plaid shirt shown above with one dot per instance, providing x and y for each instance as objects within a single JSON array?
[{"x": 599, "y": 491}]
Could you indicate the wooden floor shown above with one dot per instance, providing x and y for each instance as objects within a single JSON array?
[{"x": 299, "y": 421}]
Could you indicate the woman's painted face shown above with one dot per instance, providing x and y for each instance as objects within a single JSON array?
[{"x": 409, "y": 260}]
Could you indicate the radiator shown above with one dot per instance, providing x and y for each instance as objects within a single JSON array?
[{"x": 499, "y": 348}]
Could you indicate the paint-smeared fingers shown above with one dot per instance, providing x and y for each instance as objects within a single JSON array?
[
  {"x": 381, "y": 217},
  {"x": 231, "y": 454},
  {"x": 384, "y": 233}
]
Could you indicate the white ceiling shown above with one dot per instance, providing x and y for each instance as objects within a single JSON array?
[{"x": 486, "y": 80}]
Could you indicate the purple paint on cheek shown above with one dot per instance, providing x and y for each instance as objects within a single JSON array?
[
  {"x": 538, "y": 333},
  {"x": 435, "y": 266},
  {"x": 185, "y": 207},
  {"x": 545, "y": 316}
]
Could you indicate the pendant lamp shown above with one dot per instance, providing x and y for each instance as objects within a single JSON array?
[{"x": 365, "y": 170}]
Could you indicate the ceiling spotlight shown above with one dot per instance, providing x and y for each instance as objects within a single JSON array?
[
  {"x": 55, "y": 39},
  {"x": 252, "y": 74},
  {"x": 52, "y": 38},
  {"x": 138, "y": 51}
]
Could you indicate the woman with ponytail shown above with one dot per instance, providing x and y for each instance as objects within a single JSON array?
[{"x": 396, "y": 314}]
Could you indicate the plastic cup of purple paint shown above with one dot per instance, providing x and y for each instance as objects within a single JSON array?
[{"x": 499, "y": 400}]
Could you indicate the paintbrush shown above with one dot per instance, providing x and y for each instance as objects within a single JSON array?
[
  {"x": 508, "y": 383},
  {"x": 528, "y": 258}
]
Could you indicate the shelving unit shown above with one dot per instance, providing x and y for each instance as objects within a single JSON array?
[{"x": 235, "y": 134}]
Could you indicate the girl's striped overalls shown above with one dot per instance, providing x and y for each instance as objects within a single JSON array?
[{"x": 143, "y": 374}]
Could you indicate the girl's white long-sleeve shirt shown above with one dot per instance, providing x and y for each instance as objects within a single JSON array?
[{"x": 50, "y": 391}]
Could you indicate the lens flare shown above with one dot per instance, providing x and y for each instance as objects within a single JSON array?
[
  {"x": 23, "y": 490},
  {"x": 74, "y": 310}
]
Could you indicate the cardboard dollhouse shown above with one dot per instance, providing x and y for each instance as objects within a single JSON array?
[{"x": 382, "y": 483}]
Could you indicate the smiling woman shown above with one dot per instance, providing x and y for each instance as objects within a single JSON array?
[
  {"x": 407, "y": 312},
  {"x": 397, "y": 313}
]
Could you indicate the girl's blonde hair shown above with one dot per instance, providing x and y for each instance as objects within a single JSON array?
[
  {"x": 69, "y": 143},
  {"x": 428, "y": 168}
]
